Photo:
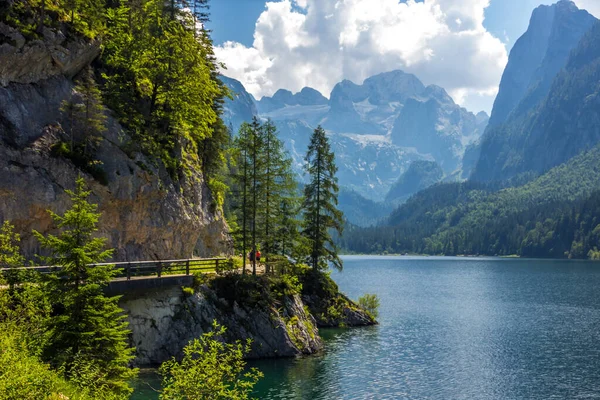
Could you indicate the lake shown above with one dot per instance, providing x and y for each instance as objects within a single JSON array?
[{"x": 456, "y": 328}]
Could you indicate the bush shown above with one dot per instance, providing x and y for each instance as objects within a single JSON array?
[
  {"x": 24, "y": 376},
  {"x": 210, "y": 369},
  {"x": 370, "y": 303}
]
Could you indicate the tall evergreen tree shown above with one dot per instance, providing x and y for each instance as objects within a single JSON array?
[
  {"x": 87, "y": 329},
  {"x": 279, "y": 190},
  {"x": 241, "y": 187},
  {"x": 85, "y": 114},
  {"x": 320, "y": 202},
  {"x": 10, "y": 254}
]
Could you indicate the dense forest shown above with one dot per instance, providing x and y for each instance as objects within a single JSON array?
[{"x": 555, "y": 215}]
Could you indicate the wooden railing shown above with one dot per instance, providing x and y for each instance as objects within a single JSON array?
[{"x": 134, "y": 269}]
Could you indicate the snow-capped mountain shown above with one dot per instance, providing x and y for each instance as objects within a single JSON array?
[{"x": 377, "y": 129}]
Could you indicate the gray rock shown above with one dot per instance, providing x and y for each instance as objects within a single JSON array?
[
  {"x": 164, "y": 321},
  {"x": 145, "y": 213},
  {"x": 55, "y": 55}
]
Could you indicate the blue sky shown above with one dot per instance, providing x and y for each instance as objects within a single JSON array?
[
  {"x": 234, "y": 20},
  {"x": 460, "y": 45}
]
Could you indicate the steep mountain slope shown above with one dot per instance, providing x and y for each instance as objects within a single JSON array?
[
  {"x": 434, "y": 124},
  {"x": 360, "y": 211},
  {"x": 146, "y": 214},
  {"x": 420, "y": 175},
  {"x": 555, "y": 215},
  {"x": 240, "y": 107},
  {"x": 530, "y": 85}
]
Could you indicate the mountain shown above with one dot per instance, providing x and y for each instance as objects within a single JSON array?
[
  {"x": 420, "y": 175},
  {"x": 241, "y": 107},
  {"x": 283, "y": 98},
  {"x": 555, "y": 215},
  {"x": 370, "y": 108},
  {"x": 542, "y": 80},
  {"x": 434, "y": 124},
  {"x": 377, "y": 129},
  {"x": 360, "y": 211}
]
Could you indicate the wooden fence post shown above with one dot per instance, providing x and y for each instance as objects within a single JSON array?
[
  {"x": 128, "y": 271},
  {"x": 159, "y": 268},
  {"x": 217, "y": 266},
  {"x": 187, "y": 266}
]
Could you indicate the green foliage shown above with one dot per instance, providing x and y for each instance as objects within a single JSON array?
[
  {"x": 320, "y": 203},
  {"x": 85, "y": 115},
  {"x": 370, "y": 303},
  {"x": 210, "y": 369},
  {"x": 85, "y": 18},
  {"x": 555, "y": 215},
  {"x": 161, "y": 80},
  {"x": 25, "y": 376},
  {"x": 187, "y": 291},
  {"x": 87, "y": 328},
  {"x": 264, "y": 212},
  {"x": 10, "y": 254}
]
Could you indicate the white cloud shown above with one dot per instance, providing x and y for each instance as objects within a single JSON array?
[
  {"x": 593, "y": 6},
  {"x": 443, "y": 42}
]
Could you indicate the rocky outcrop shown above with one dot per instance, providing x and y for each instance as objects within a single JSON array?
[
  {"x": 24, "y": 61},
  {"x": 164, "y": 321},
  {"x": 330, "y": 307},
  {"x": 146, "y": 214}
]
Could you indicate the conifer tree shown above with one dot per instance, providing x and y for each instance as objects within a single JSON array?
[
  {"x": 10, "y": 254},
  {"x": 279, "y": 191},
  {"x": 85, "y": 114},
  {"x": 210, "y": 370},
  {"x": 241, "y": 180},
  {"x": 87, "y": 331},
  {"x": 320, "y": 203}
]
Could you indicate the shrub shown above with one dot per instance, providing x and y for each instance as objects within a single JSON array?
[
  {"x": 370, "y": 303},
  {"x": 210, "y": 369}
]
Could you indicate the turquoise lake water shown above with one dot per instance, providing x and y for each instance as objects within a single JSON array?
[{"x": 456, "y": 328}]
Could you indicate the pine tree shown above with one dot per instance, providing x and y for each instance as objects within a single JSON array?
[
  {"x": 10, "y": 255},
  {"x": 279, "y": 192},
  {"x": 241, "y": 180},
  {"x": 320, "y": 202},
  {"x": 87, "y": 331},
  {"x": 256, "y": 184},
  {"x": 85, "y": 114}
]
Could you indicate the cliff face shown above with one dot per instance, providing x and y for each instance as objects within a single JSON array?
[
  {"x": 145, "y": 213},
  {"x": 522, "y": 136},
  {"x": 164, "y": 321}
]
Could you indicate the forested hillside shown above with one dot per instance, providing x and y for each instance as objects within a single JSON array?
[
  {"x": 535, "y": 189},
  {"x": 556, "y": 215}
]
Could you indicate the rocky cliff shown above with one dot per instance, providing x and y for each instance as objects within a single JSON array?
[
  {"x": 279, "y": 316},
  {"x": 420, "y": 175},
  {"x": 538, "y": 76},
  {"x": 145, "y": 213},
  {"x": 164, "y": 321}
]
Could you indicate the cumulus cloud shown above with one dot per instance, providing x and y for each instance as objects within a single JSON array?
[
  {"x": 593, "y": 6},
  {"x": 318, "y": 43}
]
